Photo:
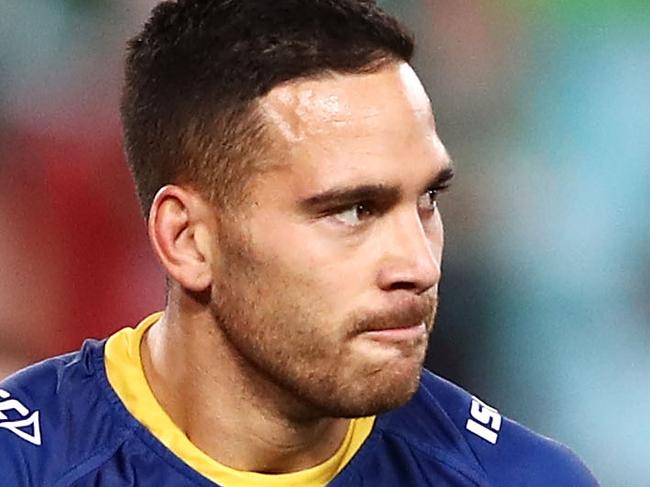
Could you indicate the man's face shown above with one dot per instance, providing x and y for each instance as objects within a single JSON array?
[{"x": 326, "y": 283}]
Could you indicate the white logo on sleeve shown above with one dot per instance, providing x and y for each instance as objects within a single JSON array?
[
  {"x": 15, "y": 417},
  {"x": 484, "y": 422}
]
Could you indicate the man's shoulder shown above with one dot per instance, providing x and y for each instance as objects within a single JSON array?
[
  {"x": 446, "y": 421},
  {"x": 53, "y": 416}
]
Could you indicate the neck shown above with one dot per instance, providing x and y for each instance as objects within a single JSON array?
[{"x": 228, "y": 410}]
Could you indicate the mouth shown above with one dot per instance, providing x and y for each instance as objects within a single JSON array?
[
  {"x": 403, "y": 327},
  {"x": 407, "y": 333}
]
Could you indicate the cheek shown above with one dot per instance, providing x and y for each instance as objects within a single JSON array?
[
  {"x": 285, "y": 266},
  {"x": 435, "y": 234},
  {"x": 438, "y": 237},
  {"x": 299, "y": 249},
  {"x": 315, "y": 262}
]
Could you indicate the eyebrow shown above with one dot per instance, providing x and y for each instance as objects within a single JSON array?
[{"x": 347, "y": 195}]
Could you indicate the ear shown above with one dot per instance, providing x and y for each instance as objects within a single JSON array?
[{"x": 181, "y": 230}]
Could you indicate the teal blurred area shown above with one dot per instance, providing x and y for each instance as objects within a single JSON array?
[{"x": 545, "y": 108}]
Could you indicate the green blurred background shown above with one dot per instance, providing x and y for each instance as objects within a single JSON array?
[{"x": 545, "y": 107}]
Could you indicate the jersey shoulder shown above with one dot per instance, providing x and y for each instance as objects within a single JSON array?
[
  {"x": 54, "y": 418},
  {"x": 498, "y": 449}
]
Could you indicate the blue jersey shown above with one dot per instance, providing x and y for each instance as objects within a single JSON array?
[{"x": 64, "y": 424}]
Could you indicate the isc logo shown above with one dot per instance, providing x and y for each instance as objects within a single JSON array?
[
  {"x": 484, "y": 422},
  {"x": 22, "y": 422}
]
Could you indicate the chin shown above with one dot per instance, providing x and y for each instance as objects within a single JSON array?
[
  {"x": 379, "y": 403},
  {"x": 378, "y": 393}
]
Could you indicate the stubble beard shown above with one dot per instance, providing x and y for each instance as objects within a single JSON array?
[
  {"x": 318, "y": 373},
  {"x": 282, "y": 333}
]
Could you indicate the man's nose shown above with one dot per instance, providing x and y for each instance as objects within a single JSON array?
[{"x": 412, "y": 254}]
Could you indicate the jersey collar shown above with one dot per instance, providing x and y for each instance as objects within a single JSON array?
[{"x": 126, "y": 376}]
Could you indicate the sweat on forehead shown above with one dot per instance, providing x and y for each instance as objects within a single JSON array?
[{"x": 309, "y": 107}]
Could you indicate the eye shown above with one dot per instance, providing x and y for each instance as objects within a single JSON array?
[
  {"x": 354, "y": 215},
  {"x": 428, "y": 200}
]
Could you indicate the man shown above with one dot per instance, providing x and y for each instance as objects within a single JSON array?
[{"x": 286, "y": 156}]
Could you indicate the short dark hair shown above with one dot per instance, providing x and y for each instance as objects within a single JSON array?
[{"x": 194, "y": 73}]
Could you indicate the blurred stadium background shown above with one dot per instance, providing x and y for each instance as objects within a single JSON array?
[{"x": 545, "y": 107}]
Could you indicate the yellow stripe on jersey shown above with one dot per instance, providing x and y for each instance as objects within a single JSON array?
[{"x": 126, "y": 376}]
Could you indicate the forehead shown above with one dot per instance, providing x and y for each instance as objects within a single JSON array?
[
  {"x": 353, "y": 126},
  {"x": 306, "y": 107}
]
